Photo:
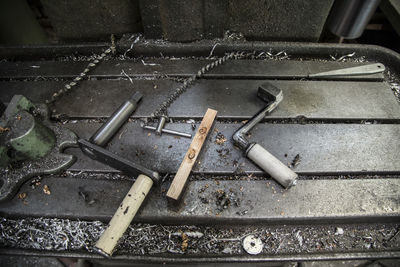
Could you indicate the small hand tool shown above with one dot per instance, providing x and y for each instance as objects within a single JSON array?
[
  {"x": 139, "y": 190},
  {"x": 265, "y": 160},
  {"x": 160, "y": 128},
  {"x": 353, "y": 71}
]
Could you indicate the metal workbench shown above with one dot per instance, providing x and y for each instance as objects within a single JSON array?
[{"x": 345, "y": 130}]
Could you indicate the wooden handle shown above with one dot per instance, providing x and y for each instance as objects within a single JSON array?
[{"x": 124, "y": 215}]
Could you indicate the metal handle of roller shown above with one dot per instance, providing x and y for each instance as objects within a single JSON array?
[
  {"x": 273, "y": 166},
  {"x": 124, "y": 215},
  {"x": 116, "y": 120}
]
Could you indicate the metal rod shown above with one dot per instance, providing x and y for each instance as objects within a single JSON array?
[
  {"x": 168, "y": 131},
  {"x": 113, "y": 124},
  {"x": 160, "y": 125}
]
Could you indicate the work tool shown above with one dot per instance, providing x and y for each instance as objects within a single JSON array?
[
  {"x": 353, "y": 71},
  {"x": 265, "y": 160},
  {"x": 173, "y": 132},
  {"x": 30, "y": 145},
  {"x": 178, "y": 184},
  {"x": 139, "y": 190}
]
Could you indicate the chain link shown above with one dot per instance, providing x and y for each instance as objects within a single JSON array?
[{"x": 162, "y": 109}]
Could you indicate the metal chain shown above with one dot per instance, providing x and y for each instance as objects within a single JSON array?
[
  {"x": 162, "y": 109},
  {"x": 67, "y": 87}
]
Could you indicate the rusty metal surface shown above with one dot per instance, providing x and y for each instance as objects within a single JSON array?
[
  {"x": 250, "y": 69},
  {"x": 323, "y": 148},
  {"x": 234, "y": 99},
  {"x": 248, "y": 201}
]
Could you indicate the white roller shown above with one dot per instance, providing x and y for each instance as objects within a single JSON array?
[{"x": 273, "y": 166}]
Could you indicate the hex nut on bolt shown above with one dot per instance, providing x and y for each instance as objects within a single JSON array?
[{"x": 252, "y": 245}]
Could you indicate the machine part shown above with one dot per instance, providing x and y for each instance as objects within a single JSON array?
[
  {"x": 103, "y": 155},
  {"x": 273, "y": 166},
  {"x": 178, "y": 184},
  {"x": 114, "y": 123},
  {"x": 148, "y": 127},
  {"x": 349, "y": 18},
  {"x": 124, "y": 215},
  {"x": 252, "y": 245},
  {"x": 354, "y": 71},
  {"x": 160, "y": 125},
  {"x": 27, "y": 137},
  {"x": 31, "y": 145}
]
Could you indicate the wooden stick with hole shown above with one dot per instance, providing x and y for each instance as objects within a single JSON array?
[{"x": 178, "y": 184}]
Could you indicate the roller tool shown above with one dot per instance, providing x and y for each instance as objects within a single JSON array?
[
  {"x": 139, "y": 190},
  {"x": 265, "y": 160}
]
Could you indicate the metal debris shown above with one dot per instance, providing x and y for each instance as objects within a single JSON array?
[
  {"x": 253, "y": 245},
  {"x": 343, "y": 58},
  {"x": 396, "y": 89},
  {"x": 126, "y": 75},
  {"x": 46, "y": 189},
  {"x": 147, "y": 239},
  {"x": 296, "y": 161},
  {"x": 220, "y": 139},
  {"x": 150, "y": 64},
  {"x": 339, "y": 231}
]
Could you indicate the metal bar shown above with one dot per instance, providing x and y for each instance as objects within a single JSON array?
[
  {"x": 120, "y": 163},
  {"x": 117, "y": 119},
  {"x": 148, "y": 127}
]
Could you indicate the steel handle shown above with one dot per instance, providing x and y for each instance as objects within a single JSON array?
[{"x": 273, "y": 166}]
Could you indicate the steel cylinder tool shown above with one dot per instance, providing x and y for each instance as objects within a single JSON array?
[
  {"x": 265, "y": 160},
  {"x": 139, "y": 190}
]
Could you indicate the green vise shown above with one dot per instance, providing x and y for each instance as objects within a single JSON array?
[{"x": 30, "y": 144}]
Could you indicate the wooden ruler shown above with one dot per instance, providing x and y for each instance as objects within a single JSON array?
[{"x": 178, "y": 184}]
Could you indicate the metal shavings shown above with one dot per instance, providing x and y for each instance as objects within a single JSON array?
[
  {"x": 2, "y": 130},
  {"x": 339, "y": 231},
  {"x": 189, "y": 234},
  {"x": 46, "y": 189},
  {"x": 299, "y": 238},
  {"x": 396, "y": 89},
  {"x": 233, "y": 36},
  {"x": 150, "y": 64},
  {"x": 185, "y": 241},
  {"x": 146, "y": 239},
  {"x": 220, "y": 139},
  {"x": 35, "y": 182},
  {"x": 343, "y": 58},
  {"x": 212, "y": 50},
  {"x": 126, "y": 75},
  {"x": 296, "y": 161},
  {"x": 22, "y": 196},
  {"x": 137, "y": 39}
]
